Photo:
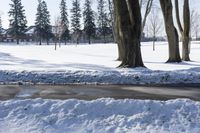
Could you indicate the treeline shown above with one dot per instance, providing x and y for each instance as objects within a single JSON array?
[{"x": 83, "y": 23}]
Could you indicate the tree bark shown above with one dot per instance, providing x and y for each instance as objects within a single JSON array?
[
  {"x": 129, "y": 24},
  {"x": 117, "y": 34},
  {"x": 184, "y": 31},
  {"x": 112, "y": 19},
  {"x": 172, "y": 34}
]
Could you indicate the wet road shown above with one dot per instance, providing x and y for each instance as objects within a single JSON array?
[{"x": 95, "y": 92}]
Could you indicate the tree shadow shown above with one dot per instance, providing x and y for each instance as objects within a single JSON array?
[{"x": 9, "y": 60}]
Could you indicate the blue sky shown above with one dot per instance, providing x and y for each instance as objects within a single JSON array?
[{"x": 53, "y": 6}]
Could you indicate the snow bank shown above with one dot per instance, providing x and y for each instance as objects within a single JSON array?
[
  {"x": 99, "y": 116},
  {"x": 117, "y": 76}
]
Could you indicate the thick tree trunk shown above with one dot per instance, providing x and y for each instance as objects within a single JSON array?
[
  {"x": 172, "y": 35},
  {"x": 129, "y": 18},
  {"x": 185, "y": 49},
  {"x": 184, "y": 31},
  {"x": 121, "y": 52}
]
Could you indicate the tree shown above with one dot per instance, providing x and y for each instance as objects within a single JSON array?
[
  {"x": 64, "y": 21},
  {"x": 1, "y": 27},
  {"x": 18, "y": 20},
  {"x": 75, "y": 19},
  {"x": 154, "y": 25},
  {"x": 172, "y": 34},
  {"x": 102, "y": 19},
  {"x": 128, "y": 17},
  {"x": 46, "y": 22},
  {"x": 1, "y": 30},
  {"x": 148, "y": 6},
  {"x": 194, "y": 24},
  {"x": 185, "y": 29},
  {"x": 42, "y": 23},
  {"x": 118, "y": 40},
  {"x": 38, "y": 22},
  {"x": 111, "y": 19},
  {"x": 58, "y": 31},
  {"x": 89, "y": 22}
]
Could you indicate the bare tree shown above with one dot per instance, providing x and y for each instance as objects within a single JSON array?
[
  {"x": 58, "y": 30},
  {"x": 147, "y": 4},
  {"x": 111, "y": 17},
  {"x": 194, "y": 24},
  {"x": 185, "y": 29},
  {"x": 154, "y": 25},
  {"x": 172, "y": 34}
]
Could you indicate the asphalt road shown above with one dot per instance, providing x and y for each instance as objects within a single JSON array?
[{"x": 87, "y": 92}]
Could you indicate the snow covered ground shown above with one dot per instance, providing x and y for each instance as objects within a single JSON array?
[
  {"x": 95, "y": 64},
  {"x": 91, "y": 64},
  {"x": 99, "y": 116}
]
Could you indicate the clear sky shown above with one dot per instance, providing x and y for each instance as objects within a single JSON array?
[{"x": 53, "y": 6}]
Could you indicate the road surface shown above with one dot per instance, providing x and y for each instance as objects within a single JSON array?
[{"x": 91, "y": 92}]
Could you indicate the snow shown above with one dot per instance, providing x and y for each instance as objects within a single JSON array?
[
  {"x": 99, "y": 116},
  {"x": 92, "y": 64},
  {"x": 95, "y": 64}
]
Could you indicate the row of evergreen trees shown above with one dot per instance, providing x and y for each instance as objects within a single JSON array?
[{"x": 43, "y": 27}]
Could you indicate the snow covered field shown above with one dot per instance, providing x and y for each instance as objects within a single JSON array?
[
  {"x": 92, "y": 64},
  {"x": 99, "y": 116}
]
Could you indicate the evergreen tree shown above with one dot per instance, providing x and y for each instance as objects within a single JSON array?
[
  {"x": 18, "y": 20},
  {"x": 46, "y": 22},
  {"x": 1, "y": 29},
  {"x": 38, "y": 22},
  {"x": 75, "y": 19},
  {"x": 89, "y": 21},
  {"x": 42, "y": 23},
  {"x": 64, "y": 21},
  {"x": 102, "y": 19}
]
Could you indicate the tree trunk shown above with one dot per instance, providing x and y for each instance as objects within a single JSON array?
[
  {"x": 129, "y": 19},
  {"x": 117, "y": 34},
  {"x": 172, "y": 35},
  {"x": 17, "y": 40},
  {"x": 112, "y": 16},
  {"x": 40, "y": 41},
  {"x": 184, "y": 31},
  {"x": 89, "y": 40}
]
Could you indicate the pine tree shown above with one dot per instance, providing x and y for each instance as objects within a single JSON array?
[
  {"x": 46, "y": 22},
  {"x": 64, "y": 21},
  {"x": 102, "y": 19},
  {"x": 1, "y": 29},
  {"x": 38, "y": 22},
  {"x": 89, "y": 21},
  {"x": 75, "y": 19},
  {"x": 42, "y": 23},
  {"x": 18, "y": 20}
]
